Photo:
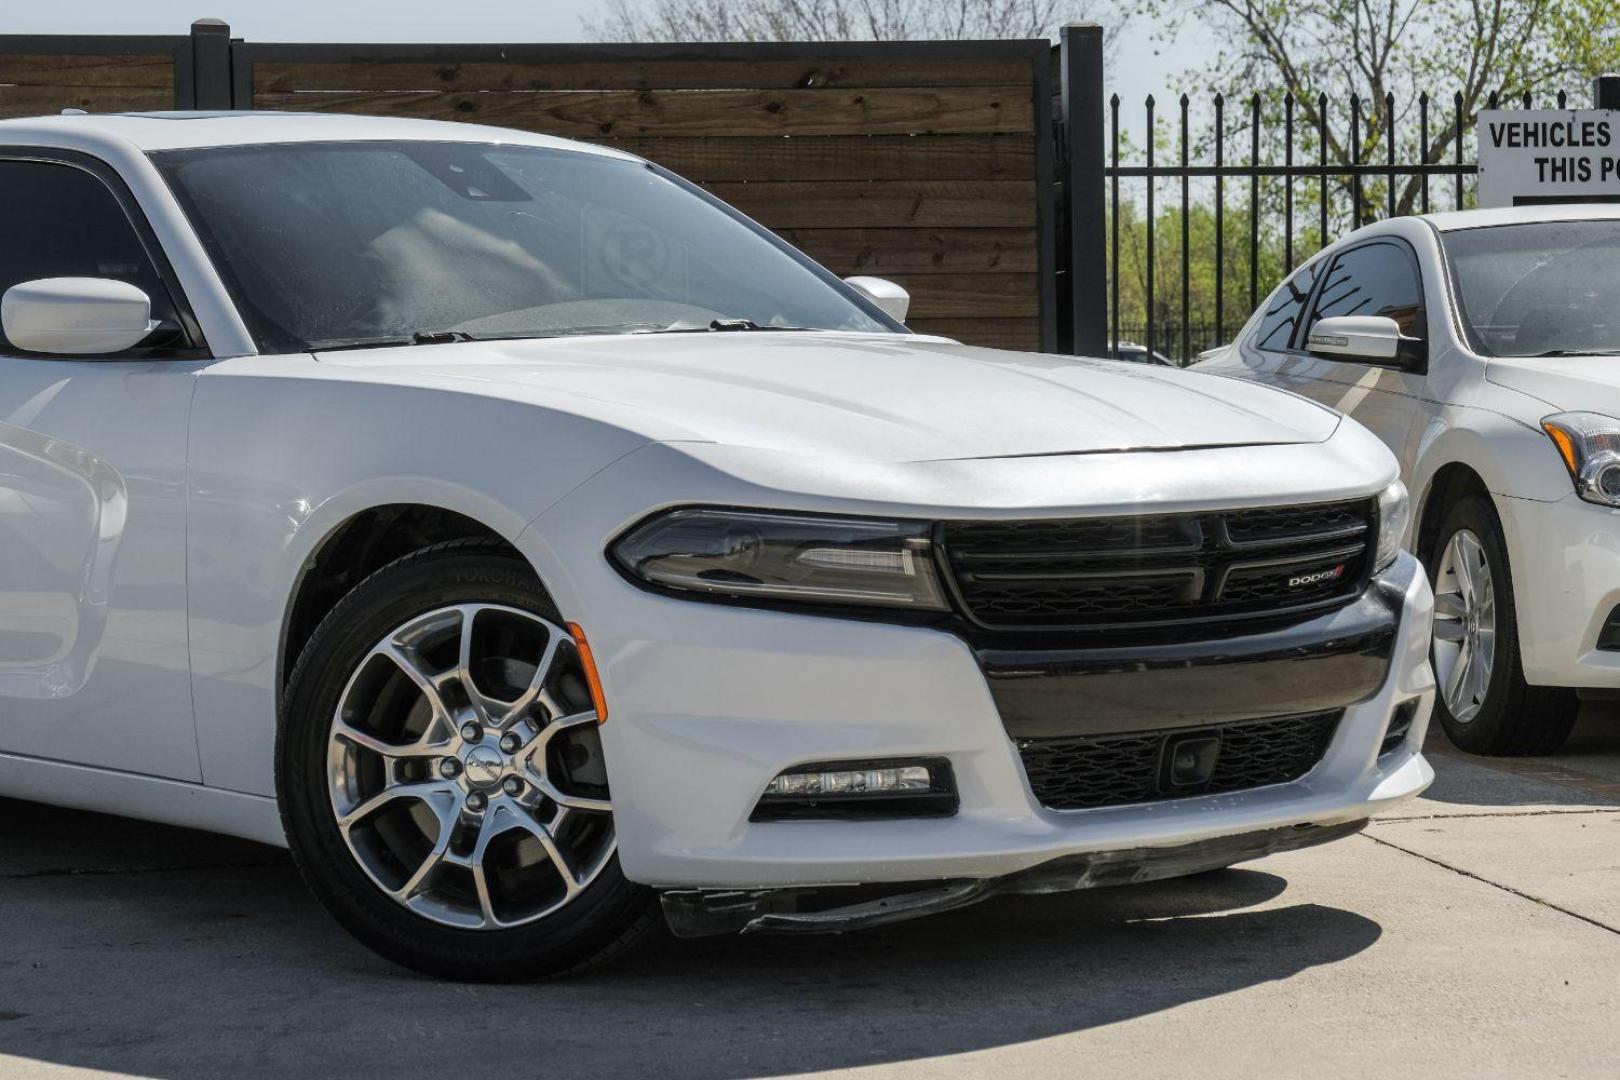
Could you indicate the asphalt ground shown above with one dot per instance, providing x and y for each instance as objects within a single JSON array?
[{"x": 1473, "y": 933}]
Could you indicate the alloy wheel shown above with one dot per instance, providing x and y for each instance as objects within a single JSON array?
[
  {"x": 465, "y": 770},
  {"x": 1464, "y": 626}
]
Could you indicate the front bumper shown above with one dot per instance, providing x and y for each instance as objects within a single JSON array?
[
  {"x": 708, "y": 702},
  {"x": 1565, "y": 557},
  {"x": 833, "y": 909}
]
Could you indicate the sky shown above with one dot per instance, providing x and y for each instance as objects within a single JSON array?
[{"x": 1141, "y": 65}]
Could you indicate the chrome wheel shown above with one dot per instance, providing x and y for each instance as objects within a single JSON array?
[
  {"x": 465, "y": 770},
  {"x": 1464, "y": 626}
]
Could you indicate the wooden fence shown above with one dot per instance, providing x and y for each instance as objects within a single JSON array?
[
  {"x": 100, "y": 74},
  {"x": 931, "y": 164}
]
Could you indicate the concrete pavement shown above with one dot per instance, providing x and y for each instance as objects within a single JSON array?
[{"x": 1474, "y": 933}]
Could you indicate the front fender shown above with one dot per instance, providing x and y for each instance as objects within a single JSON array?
[
  {"x": 1513, "y": 458},
  {"x": 281, "y": 455}
]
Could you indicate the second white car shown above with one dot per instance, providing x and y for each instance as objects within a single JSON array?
[{"x": 1484, "y": 348}]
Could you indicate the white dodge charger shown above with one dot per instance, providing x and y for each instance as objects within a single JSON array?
[
  {"x": 1481, "y": 347},
  {"x": 524, "y": 537}
]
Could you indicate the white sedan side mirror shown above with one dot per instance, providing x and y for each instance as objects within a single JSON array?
[
  {"x": 76, "y": 316},
  {"x": 889, "y": 297},
  {"x": 1374, "y": 338}
]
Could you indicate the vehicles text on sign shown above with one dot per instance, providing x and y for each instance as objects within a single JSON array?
[{"x": 1529, "y": 156}]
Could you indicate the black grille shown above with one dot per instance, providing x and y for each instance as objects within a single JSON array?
[
  {"x": 1111, "y": 572},
  {"x": 1115, "y": 770}
]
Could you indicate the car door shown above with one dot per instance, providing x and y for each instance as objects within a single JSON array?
[
  {"x": 93, "y": 653},
  {"x": 1379, "y": 277}
]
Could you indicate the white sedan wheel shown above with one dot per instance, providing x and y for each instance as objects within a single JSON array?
[{"x": 1464, "y": 626}]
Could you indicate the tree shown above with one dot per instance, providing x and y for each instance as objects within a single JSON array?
[
  {"x": 1389, "y": 52},
  {"x": 1202, "y": 283},
  {"x": 833, "y": 20}
]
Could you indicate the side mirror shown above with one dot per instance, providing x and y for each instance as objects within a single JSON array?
[
  {"x": 891, "y": 298},
  {"x": 75, "y": 316},
  {"x": 1373, "y": 338}
]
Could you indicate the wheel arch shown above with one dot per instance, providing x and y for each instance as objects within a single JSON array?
[
  {"x": 352, "y": 548},
  {"x": 1450, "y": 482}
]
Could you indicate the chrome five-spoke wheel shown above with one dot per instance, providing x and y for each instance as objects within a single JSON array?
[
  {"x": 441, "y": 777},
  {"x": 1464, "y": 625},
  {"x": 465, "y": 777}
]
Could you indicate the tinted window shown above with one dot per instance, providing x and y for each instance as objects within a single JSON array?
[
  {"x": 61, "y": 221},
  {"x": 1283, "y": 310},
  {"x": 1533, "y": 289},
  {"x": 327, "y": 245},
  {"x": 1375, "y": 279}
]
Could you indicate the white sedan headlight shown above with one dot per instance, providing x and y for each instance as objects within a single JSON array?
[
  {"x": 1393, "y": 511},
  {"x": 785, "y": 557},
  {"x": 1589, "y": 443}
]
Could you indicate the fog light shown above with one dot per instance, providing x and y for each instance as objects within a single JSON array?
[
  {"x": 906, "y": 778},
  {"x": 860, "y": 789}
]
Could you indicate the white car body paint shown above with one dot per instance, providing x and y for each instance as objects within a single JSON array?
[
  {"x": 1484, "y": 413},
  {"x": 173, "y": 508}
]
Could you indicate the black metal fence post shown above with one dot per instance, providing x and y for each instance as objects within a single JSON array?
[
  {"x": 1606, "y": 92},
  {"x": 210, "y": 65},
  {"x": 1082, "y": 74}
]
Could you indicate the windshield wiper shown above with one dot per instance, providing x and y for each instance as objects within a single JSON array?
[
  {"x": 1576, "y": 352},
  {"x": 420, "y": 337},
  {"x": 719, "y": 326}
]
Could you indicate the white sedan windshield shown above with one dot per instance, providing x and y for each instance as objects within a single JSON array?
[
  {"x": 332, "y": 245},
  {"x": 1549, "y": 288}
]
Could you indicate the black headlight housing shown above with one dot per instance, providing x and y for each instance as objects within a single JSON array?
[{"x": 785, "y": 557}]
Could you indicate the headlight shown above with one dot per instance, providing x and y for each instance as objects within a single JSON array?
[
  {"x": 780, "y": 556},
  {"x": 1393, "y": 511},
  {"x": 1590, "y": 446}
]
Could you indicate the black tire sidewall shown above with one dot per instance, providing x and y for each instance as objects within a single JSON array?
[
  {"x": 437, "y": 577},
  {"x": 1515, "y": 718}
]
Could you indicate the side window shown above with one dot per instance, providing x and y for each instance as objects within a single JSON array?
[
  {"x": 60, "y": 221},
  {"x": 1375, "y": 279},
  {"x": 1284, "y": 308}
]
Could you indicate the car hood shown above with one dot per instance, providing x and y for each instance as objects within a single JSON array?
[
  {"x": 1565, "y": 383},
  {"x": 885, "y": 397}
]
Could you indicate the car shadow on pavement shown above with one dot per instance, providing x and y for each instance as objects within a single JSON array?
[
  {"x": 1585, "y": 772},
  {"x": 158, "y": 952}
]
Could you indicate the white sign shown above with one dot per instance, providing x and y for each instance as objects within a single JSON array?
[{"x": 1548, "y": 155}]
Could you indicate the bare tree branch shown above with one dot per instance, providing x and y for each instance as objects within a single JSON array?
[{"x": 842, "y": 20}]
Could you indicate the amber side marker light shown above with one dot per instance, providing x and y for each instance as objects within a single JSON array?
[
  {"x": 1566, "y": 447},
  {"x": 592, "y": 680}
]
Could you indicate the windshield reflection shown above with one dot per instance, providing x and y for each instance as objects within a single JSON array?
[
  {"x": 1539, "y": 289},
  {"x": 352, "y": 245}
]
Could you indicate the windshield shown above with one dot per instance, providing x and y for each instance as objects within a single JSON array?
[
  {"x": 1547, "y": 288},
  {"x": 330, "y": 245}
]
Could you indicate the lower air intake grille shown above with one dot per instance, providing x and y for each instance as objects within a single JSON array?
[{"x": 1114, "y": 770}]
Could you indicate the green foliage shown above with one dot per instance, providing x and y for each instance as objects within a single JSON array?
[
  {"x": 1388, "y": 52},
  {"x": 1230, "y": 274},
  {"x": 1306, "y": 58}
]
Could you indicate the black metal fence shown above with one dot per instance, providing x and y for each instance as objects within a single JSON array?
[{"x": 1377, "y": 181}]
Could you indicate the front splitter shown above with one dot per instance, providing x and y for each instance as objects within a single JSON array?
[{"x": 834, "y": 909}]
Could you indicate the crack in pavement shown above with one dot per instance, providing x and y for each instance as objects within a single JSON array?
[
  {"x": 1601, "y": 925},
  {"x": 1497, "y": 814}
]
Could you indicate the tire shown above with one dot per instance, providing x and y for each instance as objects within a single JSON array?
[
  {"x": 383, "y": 765},
  {"x": 1510, "y": 717}
]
